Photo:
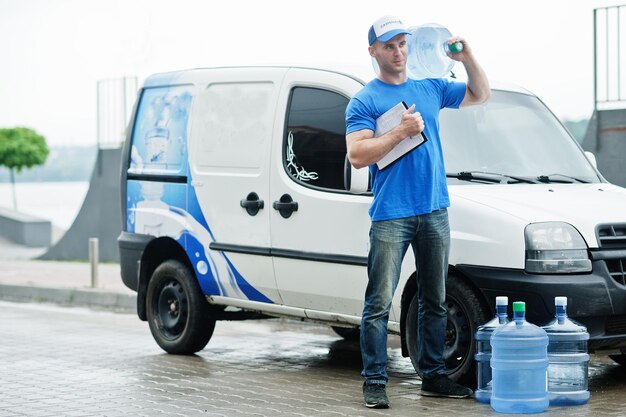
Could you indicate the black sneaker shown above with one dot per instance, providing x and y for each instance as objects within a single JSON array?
[
  {"x": 375, "y": 396},
  {"x": 442, "y": 386}
]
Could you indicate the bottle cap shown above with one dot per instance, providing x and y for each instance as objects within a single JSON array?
[
  {"x": 502, "y": 300},
  {"x": 560, "y": 301},
  {"x": 456, "y": 47},
  {"x": 519, "y": 307}
]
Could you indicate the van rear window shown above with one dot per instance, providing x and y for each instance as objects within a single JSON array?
[{"x": 160, "y": 132}]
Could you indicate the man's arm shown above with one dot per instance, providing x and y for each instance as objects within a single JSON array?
[
  {"x": 478, "y": 90},
  {"x": 363, "y": 152}
]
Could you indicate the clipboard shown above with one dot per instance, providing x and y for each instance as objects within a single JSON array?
[{"x": 387, "y": 121}]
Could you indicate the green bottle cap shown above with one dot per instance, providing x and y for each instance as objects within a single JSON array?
[
  {"x": 456, "y": 47},
  {"x": 519, "y": 307}
]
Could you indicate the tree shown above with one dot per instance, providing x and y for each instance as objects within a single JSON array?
[{"x": 21, "y": 147}]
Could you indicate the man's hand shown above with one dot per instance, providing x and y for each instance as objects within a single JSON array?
[
  {"x": 362, "y": 151},
  {"x": 464, "y": 54},
  {"x": 412, "y": 123}
]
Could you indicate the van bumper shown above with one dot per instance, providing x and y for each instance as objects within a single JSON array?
[
  {"x": 595, "y": 300},
  {"x": 131, "y": 247}
]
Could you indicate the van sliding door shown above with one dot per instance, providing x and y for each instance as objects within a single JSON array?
[{"x": 230, "y": 153}]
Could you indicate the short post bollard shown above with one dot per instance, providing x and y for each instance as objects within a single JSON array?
[{"x": 93, "y": 260}]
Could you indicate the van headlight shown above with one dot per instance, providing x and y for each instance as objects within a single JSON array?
[{"x": 555, "y": 248}]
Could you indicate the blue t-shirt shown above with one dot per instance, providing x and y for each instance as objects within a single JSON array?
[{"x": 416, "y": 183}]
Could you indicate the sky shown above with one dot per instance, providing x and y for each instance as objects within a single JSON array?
[{"x": 54, "y": 52}]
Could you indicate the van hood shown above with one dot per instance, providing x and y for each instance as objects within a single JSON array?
[{"x": 584, "y": 206}]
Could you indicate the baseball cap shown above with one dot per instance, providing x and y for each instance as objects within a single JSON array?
[{"x": 386, "y": 28}]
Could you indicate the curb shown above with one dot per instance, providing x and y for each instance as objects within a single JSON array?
[{"x": 92, "y": 298}]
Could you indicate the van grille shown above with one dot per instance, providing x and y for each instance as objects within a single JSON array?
[{"x": 613, "y": 236}]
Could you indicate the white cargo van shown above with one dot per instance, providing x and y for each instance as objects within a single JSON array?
[{"x": 238, "y": 204}]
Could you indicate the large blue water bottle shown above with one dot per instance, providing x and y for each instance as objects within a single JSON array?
[
  {"x": 519, "y": 363},
  {"x": 483, "y": 350},
  {"x": 568, "y": 359}
]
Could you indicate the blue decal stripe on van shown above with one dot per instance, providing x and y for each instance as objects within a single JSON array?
[
  {"x": 201, "y": 264},
  {"x": 242, "y": 284},
  {"x": 206, "y": 268},
  {"x": 193, "y": 207},
  {"x": 250, "y": 292}
]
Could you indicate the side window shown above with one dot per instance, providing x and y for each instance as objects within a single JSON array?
[
  {"x": 160, "y": 132},
  {"x": 314, "y": 147}
]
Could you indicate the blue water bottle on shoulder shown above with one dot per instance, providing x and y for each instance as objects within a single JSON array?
[
  {"x": 519, "y": 364},
  {"x": 483, "y": 350},
  {"x": 568, "y": 359}
]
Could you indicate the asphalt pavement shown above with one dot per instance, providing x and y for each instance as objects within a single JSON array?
[{"x": 25, "y": 279}]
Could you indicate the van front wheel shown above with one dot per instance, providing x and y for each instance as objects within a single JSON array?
[
  {"x": 178, "y": 315},
  {"x": 465, "y": 314}
]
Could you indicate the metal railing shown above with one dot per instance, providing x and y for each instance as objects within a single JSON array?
[
  {"x": 608, "y": 89},
  {"x": 115, "y": 102}
]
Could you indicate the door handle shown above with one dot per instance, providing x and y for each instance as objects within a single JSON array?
[
  {"x": 285, "y": 206},
  {"x": 252, "y": 203}
]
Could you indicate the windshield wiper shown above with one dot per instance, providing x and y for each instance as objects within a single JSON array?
[
  {"x": 489, "y": 177},
  {"x": 470, "y": 176},
  {"x": 567, "y": 179}
]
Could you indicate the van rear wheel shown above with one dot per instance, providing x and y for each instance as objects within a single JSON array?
[
  {"x": 178, "y": 314},
  {"x": 465, "y": 314}
]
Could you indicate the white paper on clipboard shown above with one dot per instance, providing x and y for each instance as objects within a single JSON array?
[{"x": 387, "y": 121}]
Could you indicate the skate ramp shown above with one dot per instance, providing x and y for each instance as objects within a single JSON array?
[{"x": 98, "y": 217}]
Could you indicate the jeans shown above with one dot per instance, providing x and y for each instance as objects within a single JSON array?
[{"x": 429, "y": 236}]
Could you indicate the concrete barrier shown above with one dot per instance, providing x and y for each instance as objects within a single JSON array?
[
  {"x": 25, "y": 229},
  {"x": 99, "y": 217}
]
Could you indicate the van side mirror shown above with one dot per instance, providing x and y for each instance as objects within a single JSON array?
[
  {"x": 356, "y": 181},
  {"x": 591, "y": 158}
]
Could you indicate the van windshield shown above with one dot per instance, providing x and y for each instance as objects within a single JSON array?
[{"x": 512, "y": 138}]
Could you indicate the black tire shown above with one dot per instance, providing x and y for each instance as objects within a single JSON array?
[
  {"x": 178, "y": 314},
  {"x": 465, "y": 314},
  {"x": 348, "y": 333},
  {"x": 621, "y": 359}
]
